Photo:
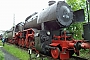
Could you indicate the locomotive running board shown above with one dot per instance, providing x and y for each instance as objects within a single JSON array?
[{"x": 79, "y": 15}]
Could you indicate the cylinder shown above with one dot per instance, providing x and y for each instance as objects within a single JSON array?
[{"x": 51, "y": 3}]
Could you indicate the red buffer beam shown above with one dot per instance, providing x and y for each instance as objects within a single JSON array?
[{"x": 85, "y": 45}]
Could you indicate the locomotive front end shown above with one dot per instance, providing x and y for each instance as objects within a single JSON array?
[
  {"x": 58, "y": 15},
  {"x": 54, "y": 17}
]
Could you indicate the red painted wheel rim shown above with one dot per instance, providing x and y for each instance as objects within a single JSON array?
[{"x": 55, "y": 53}]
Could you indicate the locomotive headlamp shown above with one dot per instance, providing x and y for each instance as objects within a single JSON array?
[{"x": 48, "y": 33}]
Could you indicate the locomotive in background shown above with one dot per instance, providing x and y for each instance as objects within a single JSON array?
[{"x": 43, "y": 32}]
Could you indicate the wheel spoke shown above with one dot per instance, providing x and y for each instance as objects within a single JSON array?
[{"x": 55, "y": 53}]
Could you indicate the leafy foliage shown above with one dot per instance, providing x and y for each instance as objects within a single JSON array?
[
  {"x": 85, "y": 53},
  {"x": 78, "y": 4},
  {"x": 77, "y": 28}
]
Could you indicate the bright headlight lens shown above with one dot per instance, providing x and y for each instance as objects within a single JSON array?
[{"x": 48, "y": 33}]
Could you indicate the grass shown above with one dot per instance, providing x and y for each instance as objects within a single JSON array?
[
  {"x": 85, "y": 53},
  {"x": 19, "y": 53},
  {"x": 1, "y": 55},
  {"x": 0, "y": 42}
]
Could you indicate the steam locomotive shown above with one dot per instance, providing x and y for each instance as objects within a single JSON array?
[{"x": 43, "y": 32}]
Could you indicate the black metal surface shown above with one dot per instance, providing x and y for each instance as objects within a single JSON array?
[
  {"x": 79, "y": 16},
  {"x": 86, "y": 28},
  {"x": 45, "y": 40},
  {"x": 52, "y": 25},
  {"x": 78, "y": 58},
  {"x": 77, "y": 46},
  {"x": 42, "y": 40}
]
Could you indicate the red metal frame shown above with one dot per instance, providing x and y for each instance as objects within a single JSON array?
[
  {"x": 23, "y": 39},
  {"x": 16, "y": 38},
  {"x": 29, "y": 38},
  {"x": 65, "y": 46},
  {"x": 20, "y": 39}
]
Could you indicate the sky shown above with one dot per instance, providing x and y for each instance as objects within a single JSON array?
[{"x": 21, "y": 9}]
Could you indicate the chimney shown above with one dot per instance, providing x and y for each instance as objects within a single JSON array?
[{"x": 51, "y": 3}]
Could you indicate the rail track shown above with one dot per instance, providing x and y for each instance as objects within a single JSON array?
[
  {"x": 77, "y": 58},
  {"x": 72, "y": 58},
  {"x": 42, "y": 56}
]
